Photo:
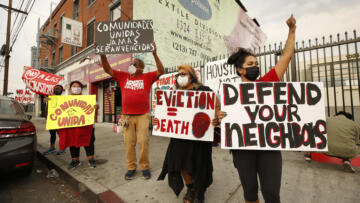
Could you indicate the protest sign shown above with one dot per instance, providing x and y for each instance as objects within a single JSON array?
[
  {"x": 217, "y": 72},
  {"x": 273, "y": 116},
  {"x": 70, "y": 111},
  {"x": 167, "y": 82},
  {"x": 134, "y": 36},
  {"x": 185, "y": 114},
  {"x": 245, "y": 34},
  {"x": 40, "y": 82},
  {"x": 24, "y": 96}
]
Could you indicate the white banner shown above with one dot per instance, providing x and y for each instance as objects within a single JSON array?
[
  {"x": 185, "y": 114},
  {"x": 246, "y": 34},
  {"x": 24, "y": 96},
  {"x": 217, "y": 72},
  {"x": 71, "y": 32},
  {"x": 273, "y": 116}
]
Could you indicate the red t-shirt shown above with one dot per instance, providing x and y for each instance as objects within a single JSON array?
[
  {"x": 271, "y": 76},
  {"x": 135, "y": 91}
]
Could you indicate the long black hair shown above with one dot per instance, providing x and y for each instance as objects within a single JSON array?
[{"x": 238, "y": 58}]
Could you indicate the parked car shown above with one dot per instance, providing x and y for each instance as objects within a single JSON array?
[{"x": 17, "y": 137}]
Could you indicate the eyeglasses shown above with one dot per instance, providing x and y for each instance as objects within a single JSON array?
[{"x": 181, "y": 74}]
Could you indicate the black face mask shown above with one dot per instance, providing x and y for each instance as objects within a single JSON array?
[
  {"x": 57, "y": 92},
  {"x": 252, "y": 73}
]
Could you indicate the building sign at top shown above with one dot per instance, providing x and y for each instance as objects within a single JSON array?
[
  {"x": 188, "y": 31},
  {"x": 71, "y": 32}
]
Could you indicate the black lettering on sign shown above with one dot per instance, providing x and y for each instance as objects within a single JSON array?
[
  {"x": 308, "y": 129},
  {"x": 261, "y": 130},
  {"x": 320, "y": 134},
  {"x": 262, "y": 92},
  {"x": 278, "y": 92},
  {"x": 292, "y": 111},
  {"x": 293, "y": 94},
  {"x": 286, "y": 135},
  {"x": 252, "y": 114},
  {"x": 249, "y": 137},
  {"x": 227, "y": 99},
  {"x": 269, "y": 110},
  {"x": 245, "y": 95},
  {"x": 272, "y": 127},
  {"x": 298, "y": 139},
  {"x": 228, "y": 134},
  {"x": 280, "y": 117},
  {"x": 312, "y": 100}
]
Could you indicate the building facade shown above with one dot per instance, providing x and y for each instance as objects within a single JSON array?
[{"x": 79, "y": 62}]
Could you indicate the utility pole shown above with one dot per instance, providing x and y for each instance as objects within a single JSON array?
[
  {"x": 7, "y": 54},
  {"x": 7, "y": 45}
]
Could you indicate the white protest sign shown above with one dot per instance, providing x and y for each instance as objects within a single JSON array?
[
  {"x": 24, "y": 96},
  {"x": 246, "y": 34},
  {"x": 273, "y": 116},
  {"x": 71, "y": 32},
  {"x": 185, "y": 114},
  {"x": 217, "y": 72},
  {"x": 167, "y": 82}
]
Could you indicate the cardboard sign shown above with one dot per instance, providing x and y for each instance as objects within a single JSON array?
[
  {"x": 217, "y": 72},
  {"x": 273, "y": 116},
  {"x": 71, "y": 32},
  {"x": 134, "y": 36},
  {"x": 185, "y": 114},
  {"x": 24, "y": 96},
  {"x": 246, "y": 34},
  {"x": 70, "y": 111},
  {"x": 40, "y": 82}
]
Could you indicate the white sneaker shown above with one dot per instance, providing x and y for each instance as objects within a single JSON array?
[{"x": 348, "y": 167}]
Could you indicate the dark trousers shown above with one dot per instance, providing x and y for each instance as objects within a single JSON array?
[
  {"x": 268, "y": 164},
  {"x": 52, "y": 136},
  {"x": 90, "y": 150}
]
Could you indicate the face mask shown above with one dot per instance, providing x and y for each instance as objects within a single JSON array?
[
  {"x": 252, "y": 73},
  {"x": 57, "y": 92},
  {"x": 132, "y": 69},
  {"x": 182, "y": 81},
  {"x": 76, "y": 90}
]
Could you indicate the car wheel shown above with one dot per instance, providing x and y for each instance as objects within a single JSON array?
[{"x": 27, "y": 170}]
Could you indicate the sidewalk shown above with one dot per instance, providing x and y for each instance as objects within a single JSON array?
[{"x": 301, "y": 181}]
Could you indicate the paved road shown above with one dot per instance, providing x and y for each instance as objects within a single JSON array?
[{"x": 36, "y": 188}]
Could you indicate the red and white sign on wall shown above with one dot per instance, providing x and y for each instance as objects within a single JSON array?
[
  {"x": 40, "y": 82},
  {"x": 24, "y": 96},
  {"x": 185, "y": 114}
]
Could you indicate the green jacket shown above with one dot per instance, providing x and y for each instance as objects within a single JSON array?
[{"x": 343, "y": 135}]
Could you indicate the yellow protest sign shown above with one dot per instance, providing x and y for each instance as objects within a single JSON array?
[{"x": 70, "y": 111}]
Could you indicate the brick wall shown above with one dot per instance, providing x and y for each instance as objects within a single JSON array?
[{"x": 99, "y": 9}]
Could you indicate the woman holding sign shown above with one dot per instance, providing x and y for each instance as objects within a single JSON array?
[
  {"x": 188, "y": 159},
  {"x": 79, "y": 135},
  {"x": 251, "y": 163}
]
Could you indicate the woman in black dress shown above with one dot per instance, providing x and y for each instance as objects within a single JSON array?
[{"x": 188, "y": 159}]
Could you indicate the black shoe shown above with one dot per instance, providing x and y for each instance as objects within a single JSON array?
[
  {"x": 130, "y": 174},
  {"x": 92, "y": 163},
  {"x": 146, "y": 173},
  {"x": 74, "y": 164}
]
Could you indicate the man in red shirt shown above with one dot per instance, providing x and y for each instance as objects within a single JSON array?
[{"x": 135, "y": 88}]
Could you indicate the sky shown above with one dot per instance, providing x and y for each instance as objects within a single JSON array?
[{"x": 314, "y": 19}]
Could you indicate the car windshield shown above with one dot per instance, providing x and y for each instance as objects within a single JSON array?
[{"x": 9, "y": 107}]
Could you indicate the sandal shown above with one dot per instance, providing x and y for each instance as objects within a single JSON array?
[{"x": 189, "y": 196}]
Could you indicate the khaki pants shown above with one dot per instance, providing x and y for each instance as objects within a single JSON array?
[{"x": 136, "y": 132}]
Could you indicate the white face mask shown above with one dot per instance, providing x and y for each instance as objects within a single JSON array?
[
  {"x": 132, "y": 69},
  {"x": 76, "y": 90},
  {"x": 182, "y": 81}
]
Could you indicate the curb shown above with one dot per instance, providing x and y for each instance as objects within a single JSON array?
[{"x": 79, "y": 188}]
